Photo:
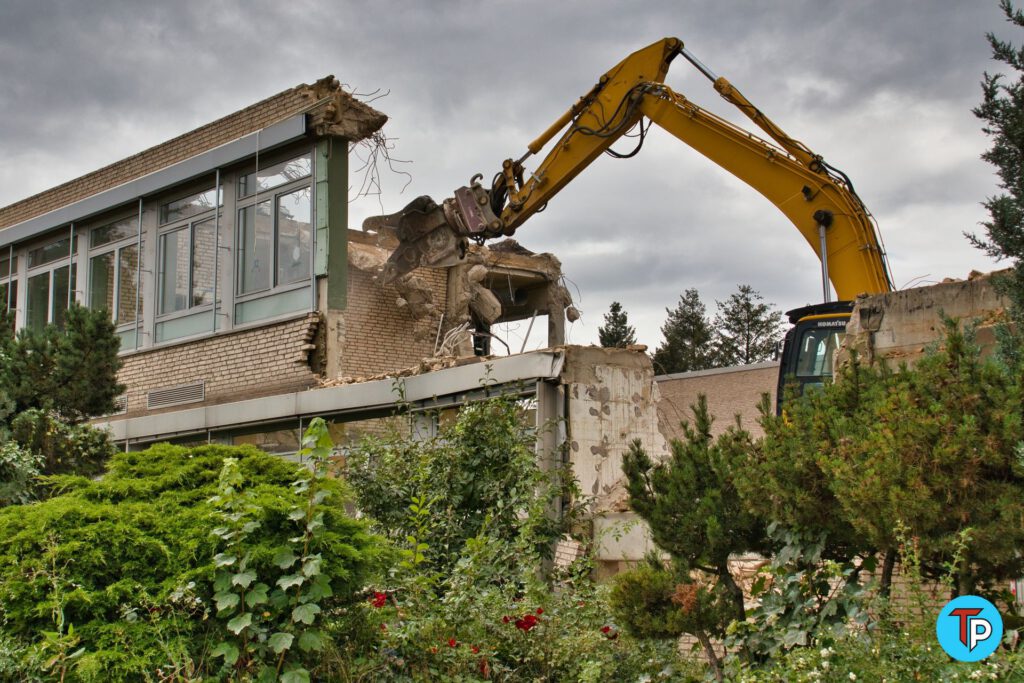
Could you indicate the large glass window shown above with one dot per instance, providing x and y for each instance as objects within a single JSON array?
[
  {"x": 193, "y": 205},
  {"x": 274, "y": 242},
  {"x": 268, "y": 178},
  {"x": 50, "y": 285},
  {"x": 114, "y": 275},
  {"x": 187, "y": 266}
]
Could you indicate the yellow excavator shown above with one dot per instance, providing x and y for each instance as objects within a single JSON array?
[{"x": 816, "y": 197}]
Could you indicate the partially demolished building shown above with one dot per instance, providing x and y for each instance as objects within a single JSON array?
[{"x": 246, "y": 306}]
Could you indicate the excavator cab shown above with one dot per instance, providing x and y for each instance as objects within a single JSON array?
[{"x": 810, "y": 345}]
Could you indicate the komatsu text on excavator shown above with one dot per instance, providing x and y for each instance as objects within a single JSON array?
[{"x": 816, "y": 197}]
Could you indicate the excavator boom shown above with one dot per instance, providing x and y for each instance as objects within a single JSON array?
[{"x": 816, "y": 198}]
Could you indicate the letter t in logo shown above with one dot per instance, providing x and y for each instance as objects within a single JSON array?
[{"x": 976, "y": 634}]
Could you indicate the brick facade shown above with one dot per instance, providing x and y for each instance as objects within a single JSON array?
[
  {"x": 730, "y": 391},
  {"x": 238, "y": 365},
  {"x": 332, "y": 110},
  {"x": 381, "y": 336}
]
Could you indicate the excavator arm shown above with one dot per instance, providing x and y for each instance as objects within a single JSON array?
[{"x": 817, "y": 199}]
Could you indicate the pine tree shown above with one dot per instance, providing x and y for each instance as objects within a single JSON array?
[
  {"x": 688, "y": 337},
  {"x": 746, "y": 329},
  {"x": 86, "y": 365},
  {"x": 73, "y": 374},
  {"x": 616, "y": 332},
  {"x": 691, "y": 505},
  {"x": 1002, "y": 110}
]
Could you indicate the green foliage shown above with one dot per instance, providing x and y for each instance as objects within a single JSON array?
[
  {"x": 18, "y": 470},
  {"x": 746, "y": 329},
  {"x": 479, "y": 475},
  {"x": 73, "y": 373},
  {"x": 935, "y": 447},
  {"x": 885, "y": 654},
  {"x": 272, "y": 617},
  {"x": 616, "y": 331},
  {"x": 1002, "y": 111},
  {"x": 804, "y": 599},
  {"x": 941, "y": 454},
  {"x": 688, "y": 337},
  {"x": 780, "y": 476},
  {"x": 64, "y": 448},
  {"x": 127, "y": 559},
  {"x": 690, "y": 503}
]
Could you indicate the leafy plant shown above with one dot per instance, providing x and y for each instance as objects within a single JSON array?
[
  {"x": 272, "y": 620},
  {"x": 804, "y": 599}
]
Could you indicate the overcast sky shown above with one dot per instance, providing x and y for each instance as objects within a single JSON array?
[{"x": 883, "y": 89}]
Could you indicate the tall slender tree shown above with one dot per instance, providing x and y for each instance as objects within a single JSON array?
[
  {"x": 747, "y": 329},
  {"x": 688, "y": 337},
  {"x": 616, "y": 331},
  {"x": 1002, "y": 111}
]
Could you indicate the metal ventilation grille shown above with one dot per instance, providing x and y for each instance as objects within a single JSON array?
[{"x": 176, "y": 395}]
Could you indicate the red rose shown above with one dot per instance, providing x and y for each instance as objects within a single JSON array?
[
  {"x": 379, "y": 599},
  {"x": 606, "y": 629},
  {"x": 474, "y": 649},
  {"x": 452, "y": 642},
  {"x": 540, "y": 611},
  {"x": 526, "y": 623},
  {"x": 505, "y": 619}
]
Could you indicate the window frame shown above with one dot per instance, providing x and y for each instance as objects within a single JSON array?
[
  {"x": 189, "y": 225},
  {"x": 10, "y": 301},
  {"x": 115, "y": 247},
  {"x": 68, "y": 260},
  {"x": 274, "y": 195}
]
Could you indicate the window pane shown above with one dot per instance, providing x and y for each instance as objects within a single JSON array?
[
  {"x": 204, "y": 250},
  {"x": 272, "y": 176},
  {"x": 128, "y": 274},
  {"x": 188, "y": 206},
  {"x": 62, "y": 279},
  {"x": 114, "y": 232},
  {"x": 38, "y": 306},
  {"x": 101, "y": 282},
  {"x": 255, "y": 243},
  {"x": 174, "y": 271},
  {"x": 8, "y": 299},
  {"x": 5, "y": 265},
  {"x": 50, "y": 252},
  {"x": 293, "y": 236}
]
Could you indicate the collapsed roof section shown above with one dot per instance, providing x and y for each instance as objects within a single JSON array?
[{"x": 497, "y": 284}]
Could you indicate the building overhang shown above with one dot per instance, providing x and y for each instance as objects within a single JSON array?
[{"x": 447, "y": 387}]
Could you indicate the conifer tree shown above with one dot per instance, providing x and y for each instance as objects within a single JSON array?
[
  {"x": 1002, "y": 110},
  {"x": 691, "y": 505},
  {"x": 73, "y": 374},
  {"x": 747, "y": 330},
  {"x": 616, "y": 331},
  {"x": 688, "y": 337}
]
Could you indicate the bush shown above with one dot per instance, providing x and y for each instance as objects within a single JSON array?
[
  {"x": 64, "y": 448},
  {"x": 123, "y": 566}
]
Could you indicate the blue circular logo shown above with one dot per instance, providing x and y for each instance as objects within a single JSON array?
[{"x": 969, "y": 628}]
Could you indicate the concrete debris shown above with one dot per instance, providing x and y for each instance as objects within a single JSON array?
[
  {"x": 510, "y": 246},
  {"x": 424, "y": 366}
]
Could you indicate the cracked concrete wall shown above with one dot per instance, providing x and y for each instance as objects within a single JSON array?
[{"x": 612, "y": 399}]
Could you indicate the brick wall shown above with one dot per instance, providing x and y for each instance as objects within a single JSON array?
[
  {"x": 334, "y": 109},
  {"x": 235, "y": 366},
  {"x": 380, "y": 336},
  {"x": 729, "y": 391}
]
